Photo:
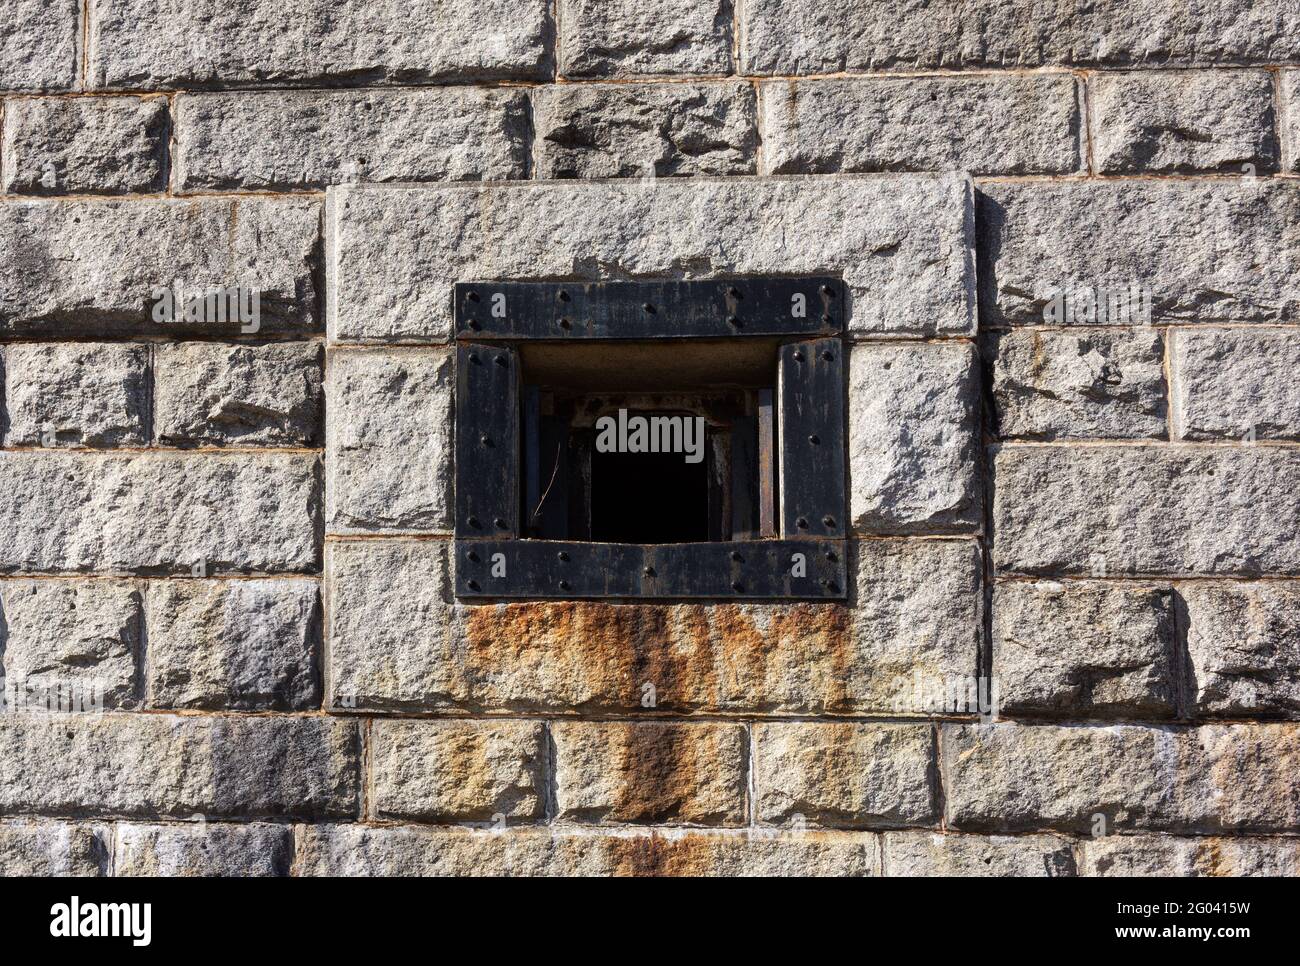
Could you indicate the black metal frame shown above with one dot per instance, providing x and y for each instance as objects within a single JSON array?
[{"x": 806, "y": 561}]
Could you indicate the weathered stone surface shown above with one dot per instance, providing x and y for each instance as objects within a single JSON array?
[
  {"x": 1244, "y": 643},
  {"x": 248, "y": 645},
  {"x": 99, "y": 145},
  {"x": 215, "y": 394},
  {"x": 70, "y": 644},
  {"x": 188, "y": 43},
  {"x": 922, "y": 124},
  {"x": 1206, "y": 251},
  {"x": 165, "y": 765},
  {"x": 1212, "y": 778},
  {"x": 1086, "y": 384},
  {"x": 388, "y": 447},
  {"x": 901, "y": 243},
  {"x": 936, "y": 854},
  {"x": 459, "y": 771},
  {"x": 290, "y": 140},
  {"x": 620, "y": 772},
  {"x": 1150, "y": 855},
  {"x": 400, "y": 643},
  {"x": 1167, "y": 510},
  {"x": 1235, "y": 383},
  {"x": 646, "y": 130},
  {"x": 49, "y": 849},
  {"x": 353, "y": 850},
  {"x": 159, "y": 513},
  {"x": 203, "y": 849},
  {"x": 92, "y": 394},
  {"x": 599, "y": 38},
  {"x": 1289, "y": 124},
  {"x": 824, "y": 36},
  {"x": 848, "y": 775},
  {"x": 92, "y": 267},
  {"x": 914, "y": 444},
  {"x": 1168, "y": 122},
  {"x": 1085, "y": 649},
  {"x": 40, "y": 45}
]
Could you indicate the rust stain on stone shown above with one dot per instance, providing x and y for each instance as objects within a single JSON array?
[
  {"x": 697, "y": 656},
  {"x": 653, "y": 855}
]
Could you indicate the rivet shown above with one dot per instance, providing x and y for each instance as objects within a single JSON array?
[
  {"x": 501, "y": 361},
  {"x": 798, "y": 357},
  {"x": 562, "y": 556},
  {"x": 472, "y": 585},
  {"x": 828, "y": 356},
  {"x": 830, "y": 555},
  {"x": 801, "y": 523},
  {"x": 564, "y": 296},
  {"x": 485, "y": 440},
  {"x": 473, "y": 522},
  {"x": 828, "y": 521},
  {"x": 814, "y": 439},
  {"x": 649, "y": 571},
  {"x": 737, "y": 586},
  {"x": 564, "y": 323},
  {"x": 733, "y": 321},
  {"x": 649, "y": 308},
  {"x": 733, "y": 292},
  {"x": 473, "y": 357},
  {"x": 735, "y": 555},
  {"x": 473, "y": 324},
  {"x": 826, "y": 316},
  {"x": 473, "y": 296},
  {"x": 830, "y": 585},
  {"x": 564, "y": 585},
  {"x": 500, "y": 523},
  {"x": 828, "y": 291},
  {"x": 473, "y": 556}
]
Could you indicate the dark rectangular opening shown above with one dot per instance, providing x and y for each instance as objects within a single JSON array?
[{"x": 649, "y": 497}]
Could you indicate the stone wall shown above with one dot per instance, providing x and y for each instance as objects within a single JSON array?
[{"x": 1072, "y": 643}]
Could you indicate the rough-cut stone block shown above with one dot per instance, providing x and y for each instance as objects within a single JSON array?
[
  {"x": 215, "y": 394},
  {"x": 289, "y": 140},
  {"x": 165, "y": 765},
  {"x": 354, "y": 850},
  {"x": 1212, "y": 778},
  {"x": 922, "y": 124},
  {"x": 914, "y": 439},
  {"x": 1289, "y": 124},
  {"x": 93, "y": 394},
  {"x": 1170, "y": 122},
  {"x": 1244, "y": 643},
  {"x": 935, "y": 854},
  {"x": 1165, "y": 856},
  {"x": 611, "y": 772},
  {"x": 901, "y": 243},
  {"x": 458, "y": 771},
  {"x": 1195, "y": 251},
  {"x": 1235, "y": 383},
  {"x": 203, "y": 849},
  {"x": 398, "y": 641},
  {"x": 1085, "y": 649},
  {"x": 1087, "y": 384},
  {"x": 646, "y": 130},
  {"x": 1160, "y": 510},
  {"x": 849, "y": 775},
  {"x": 248, "y": 645},
  {"x": 40, "y": 45},
  {"x": 825, "y": 36},
  {"x": 80, "y": 145},
  {"x": 96, "y": 267},
  {"x": 190, "y": 43},
  {"x": 599, "y": 38},
  {"x": 49, "y": 849},
  {"x": 70, "y": 644},
  {"x": 389, "y": 454},
  {"x": 159, "y": 513}
]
